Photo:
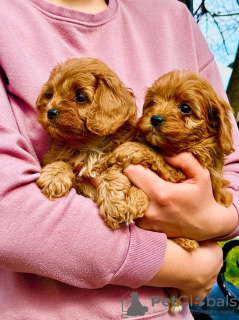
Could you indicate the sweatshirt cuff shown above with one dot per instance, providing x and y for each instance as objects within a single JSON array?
[
  {"x": 235, "y": 232},
  {"x": 144, "y": 258}
]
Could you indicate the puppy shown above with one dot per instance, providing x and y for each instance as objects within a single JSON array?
[
  {"x": 181, "y": 113},
  {"x": 88, "y": 112}
]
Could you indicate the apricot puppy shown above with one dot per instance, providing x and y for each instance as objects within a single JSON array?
[
  {"x": 181, "y": 113},
  {"x": 88, "y": 112}
]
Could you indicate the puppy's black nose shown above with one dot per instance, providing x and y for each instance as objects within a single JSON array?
[
  {"x": 156, "y": 120},
  {"x": 52, "y": 113}
]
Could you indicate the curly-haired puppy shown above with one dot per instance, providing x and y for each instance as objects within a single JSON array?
[
  {"x": 88, "y": 112},
  {"x": 181, "y": 113}
]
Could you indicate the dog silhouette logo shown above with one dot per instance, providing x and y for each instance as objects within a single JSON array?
[{"x": 136, "y": 308}]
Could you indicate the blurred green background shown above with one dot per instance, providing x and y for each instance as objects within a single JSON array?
[{"x": 232, "y": 271}]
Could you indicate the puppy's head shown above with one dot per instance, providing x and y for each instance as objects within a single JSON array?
[
  {"x": 82, "y": 99},
  {"x": 181, "y": 109}
]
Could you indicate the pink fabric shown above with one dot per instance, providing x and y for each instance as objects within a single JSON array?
[{"x": 58, "y": 259}]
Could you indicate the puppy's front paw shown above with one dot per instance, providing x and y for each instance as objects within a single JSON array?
[
  {"x": 172, "y": 174},
  {"x": 111, "y": 199},
  {"x": 177, "y": 176},
  {"x": 119, "y": 202},
  {"x": 56, "y": 179},
  {"x": 175, "y": 309},
  {"x": 224, "y": 197},
  {"x": 185, "y": 243}
]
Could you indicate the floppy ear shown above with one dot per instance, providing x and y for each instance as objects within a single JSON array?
[
  {"x": 112, "y": 105},
  {"x": 221, "y": 112}
]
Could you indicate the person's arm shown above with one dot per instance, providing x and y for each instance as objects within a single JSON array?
[
  {"x": 65, "y": 239},
  {"x": 186, "y": 270}
]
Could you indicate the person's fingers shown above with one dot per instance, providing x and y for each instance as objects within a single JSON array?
[
  {"x": 145, "y": 179},
  {"x": 94, "y": 181},
  {"x": 188, "y": 164}
]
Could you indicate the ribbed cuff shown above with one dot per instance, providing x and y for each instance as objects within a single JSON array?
[
  {"x": 144, "y": 258},
  {"x": 235, "y": 232}
]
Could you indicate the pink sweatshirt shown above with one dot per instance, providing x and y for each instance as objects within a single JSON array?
[{"x": 58, "y": 260}]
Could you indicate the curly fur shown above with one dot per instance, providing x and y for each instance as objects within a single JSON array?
[
  {"x": 82, "y": 132},
  {"x": 205, "y": 131}
]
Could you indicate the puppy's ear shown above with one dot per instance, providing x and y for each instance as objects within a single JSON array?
[
  {"x": 112, "y": 105},
  {"x": 221, "y": 112}
]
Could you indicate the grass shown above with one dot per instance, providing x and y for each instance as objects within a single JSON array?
[{"x": 232, "y": 271}]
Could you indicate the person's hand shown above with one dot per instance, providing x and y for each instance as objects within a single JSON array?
[
  {"x": 186, "y": 209},
  {"x": 193, "y": 273}
]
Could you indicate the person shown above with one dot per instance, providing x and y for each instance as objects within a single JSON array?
[{"x": 58, "y": 259}]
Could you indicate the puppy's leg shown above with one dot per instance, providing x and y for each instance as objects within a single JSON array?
[
  {"x": 119, "y": 201},
  {"x": 56, "y": 179},
  {"x": 85, "y": 188},
  {"x": 138, "y": 203},
  {"x": 111, "y": 197},
  {"x": 137, "y": 153},
  {"x": 225, "y": 198},
  {"x": 222, "y": 195}
]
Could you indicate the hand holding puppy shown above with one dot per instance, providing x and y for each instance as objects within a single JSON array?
[{"x": 187, "y": 209}]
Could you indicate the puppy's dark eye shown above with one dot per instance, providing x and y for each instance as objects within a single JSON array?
[
  {"x": 48, "y": 95},
  {"x": 148, "y": 105},
  {"x": 80, "y": 98},
  {"x": 185, "y": 109}
]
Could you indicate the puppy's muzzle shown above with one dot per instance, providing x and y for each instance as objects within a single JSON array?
[
  {"x": 52, "y": 113},
  {"x": 156, "y": 120}
]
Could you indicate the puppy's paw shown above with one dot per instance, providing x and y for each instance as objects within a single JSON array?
[
  {"x": 176, "y": 176},
  {"x": 55, "y": 180},
  {"x": 119, "y": 202},
  {"x": 138, "y": 203},
  {"x": 113, "y": 209},
  {"x": 185, "y": 243},
  {"x": 167, "y": 172},
  {"x": 123, "y": 211},
  {"x": 224, "y": 197},
  {"x": 172, "y": 174},
  {"x": 175, "y": 309}
]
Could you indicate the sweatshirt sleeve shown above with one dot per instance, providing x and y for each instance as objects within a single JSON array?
[
  {"x": 231, "y": 169},
  {"x": 64, "y": 239}
]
